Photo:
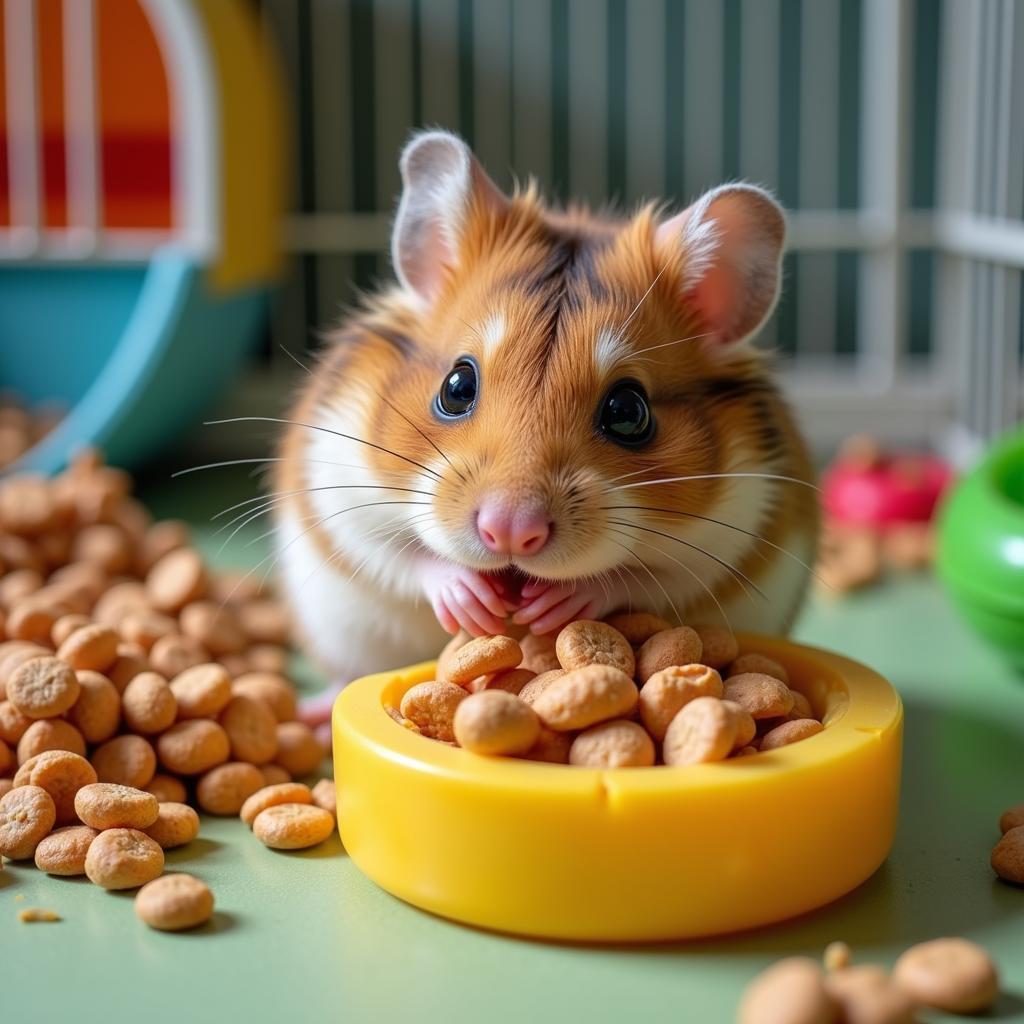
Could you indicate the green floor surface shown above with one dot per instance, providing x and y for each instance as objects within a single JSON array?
[{"x": 302, "y": 937}]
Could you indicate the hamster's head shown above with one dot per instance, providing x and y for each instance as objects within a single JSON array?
[{"x": 552, "y": 376}]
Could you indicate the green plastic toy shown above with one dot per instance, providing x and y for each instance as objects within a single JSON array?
[{"x": 981, "y": 547}]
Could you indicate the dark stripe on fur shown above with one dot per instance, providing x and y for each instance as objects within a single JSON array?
[
  {"x": 770, "y": 433},
  {"x": 398, "y": 340},
  {"x": 760, "y": 396},
  {"x": 566, "y": 281},
  {"x": 717, "y": 389},
  {"x": 732, "y": 389}
]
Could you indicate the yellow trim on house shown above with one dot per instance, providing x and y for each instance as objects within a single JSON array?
[{"x": 252, "y": 145}]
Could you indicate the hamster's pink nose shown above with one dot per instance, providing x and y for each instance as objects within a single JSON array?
[{"x": 511, "y": 532}]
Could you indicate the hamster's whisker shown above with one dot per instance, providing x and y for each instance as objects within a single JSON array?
[
  {"x": 624, "y": 586},
  {"x": 238, "y": 504},
  {"x": 636, "y": 308},
  {"x": 326, "y": 430},
  {"x": 668, "y": 512},
  {"x": 324, "y": 563},
  {"x": 277, "y": 556},
  {"x": 429, "y": 441},
  {"x": 677, "y": 341},
  {"x": 267, "y": 459},
  {"x": 649, "y": 602},
  {"x": 412, "y": 523},
  {"x": 388, "y": 540},
  {"x": 411, "y": 540},
  {"x": 683, "y": 565},
  {"x": 629, "y": 551},
  {"x": 247, "y": 517},
  {"x": 248, "y": 501},
  {"x": 276, "y": 495},
  {"x": 310, "y": 519},
  {"x": 351, "y": 508},
  {"x": 740, "y": 576},
  {"x": 625, "y": 476},
  {"x": 377, "y": 530},
  {"x": 391, "y": 539},
  {"x": 294, "y": 358},
  {"x": 718, "y": 476},
  {"x": 250, "y": 516},
  {"x": 261, "y": 497},
  {"x": 220, "y": 465}
]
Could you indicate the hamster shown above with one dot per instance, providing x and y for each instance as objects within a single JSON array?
[{"x": 551, "y": 415}]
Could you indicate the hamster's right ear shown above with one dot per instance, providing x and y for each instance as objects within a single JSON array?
[
  {"x": 732, "y": 240},
  {"x": 442, "y": 184}
]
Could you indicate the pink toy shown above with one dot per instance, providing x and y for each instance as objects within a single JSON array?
[{"x": 868, "y": 487}]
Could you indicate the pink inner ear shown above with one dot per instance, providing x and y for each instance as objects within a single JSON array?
[
  {"x": 433, "y": 254},
  {"x": 715, "y": 294},
  {"x": 735, "y": 249},
  {"x": 714, "y": 297}
]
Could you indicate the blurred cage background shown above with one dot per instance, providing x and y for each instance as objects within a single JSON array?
[{"x": 893, "y": 130}]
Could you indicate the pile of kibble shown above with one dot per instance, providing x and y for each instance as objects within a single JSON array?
[
  {"x": 21, "y": 427},
  {"x": 1008, "y": 854},
  {"x": 630, "y": 691},
  {"x": 949, "y": 974},
  {"x": 852, "y": 556},
  {"x": 132, "y": 681}
]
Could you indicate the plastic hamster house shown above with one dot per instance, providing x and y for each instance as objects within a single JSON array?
[{"x": 140, "y": 195}]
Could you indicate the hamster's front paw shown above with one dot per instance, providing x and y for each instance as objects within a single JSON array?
[
  {"x": 316, "y": 709},
  {"x": 549, "y": 606},
  {"x": 464, "y": 599}
]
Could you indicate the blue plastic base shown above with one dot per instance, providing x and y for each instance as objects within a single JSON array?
[
  {"x": 59, "y": 326},
  {"x": 138, "y": 354}
]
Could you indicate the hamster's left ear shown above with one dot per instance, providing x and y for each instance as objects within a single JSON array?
[
  {"x": 442, "y": 185},
  {"x": 730, "y": 243}
]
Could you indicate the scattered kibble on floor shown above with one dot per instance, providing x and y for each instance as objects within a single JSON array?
[
  {"x": 949, "y": 974},
  {"x": 1008, "y": 854},
  {"x": 131, "y": 676},
  {"x": 34, "y": 915}
]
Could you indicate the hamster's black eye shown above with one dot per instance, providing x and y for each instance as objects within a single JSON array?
[
  {"x": 625, "y": 415},
  {"x": 458, "y": 392}
]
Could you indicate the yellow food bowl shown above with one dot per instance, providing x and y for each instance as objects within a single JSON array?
[{"x": 625, "y": 854}]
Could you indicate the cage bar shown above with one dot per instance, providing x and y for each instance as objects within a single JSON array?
[
  {"x": 588, "y": 99},
  {"x": 23, "y": 155},
  {"x": 492, "y": 86},
  {"x": 439, "y": 76},
  {"x": 702, "y": 101},
  {"x": 882, "y": 300},
  {"x": 819, "y": 171},
  {"x": 645, "y": 99},
  {"x": 83, "y": 159},
  {"x": 531, "y": 87}
]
